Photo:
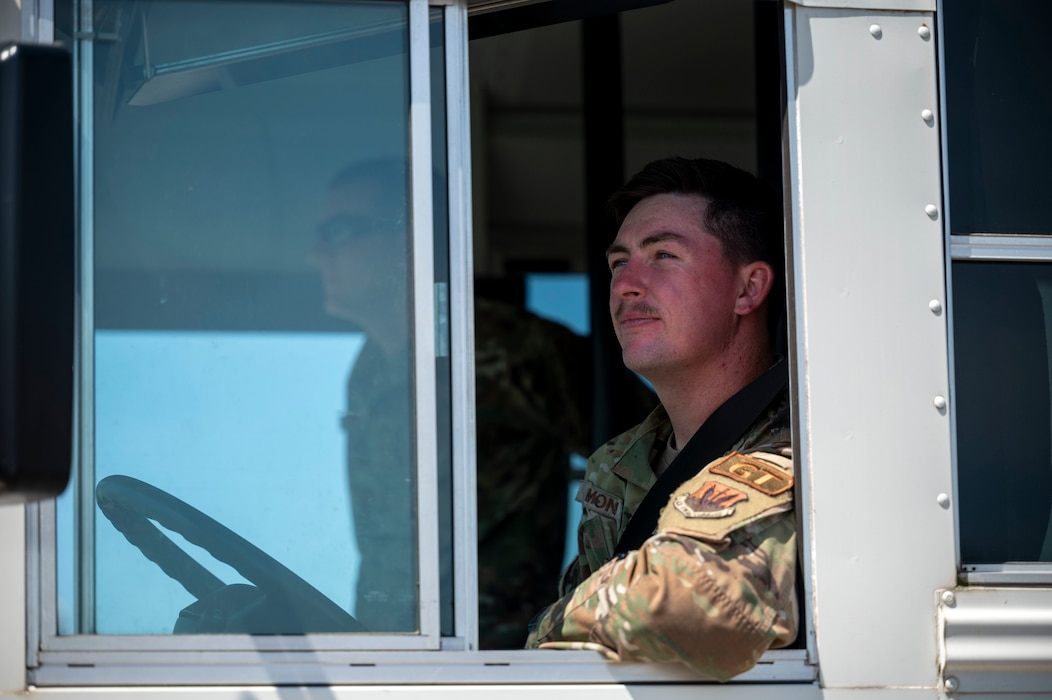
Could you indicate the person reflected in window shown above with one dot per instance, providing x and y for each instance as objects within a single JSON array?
[
  {"x": 532, "y": 398},
  {"x": 361, "y": 252},
  {"x": 695, "y": 288}
]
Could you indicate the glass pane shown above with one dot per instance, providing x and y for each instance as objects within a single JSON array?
[
  {"x": 252, "y": 295},
  {"x": 998, "y": 102},
  {"x": 1002, "y": 320}
]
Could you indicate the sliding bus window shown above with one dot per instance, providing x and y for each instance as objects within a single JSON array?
[
  {"x": 996, "y": 55},
  {"x": 251, "y": 348}
]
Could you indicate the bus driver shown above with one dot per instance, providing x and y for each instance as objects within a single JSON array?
[{"x": 695, "y": 274}]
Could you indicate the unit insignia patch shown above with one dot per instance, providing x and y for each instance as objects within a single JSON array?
[{"x": 712, "y": 500}]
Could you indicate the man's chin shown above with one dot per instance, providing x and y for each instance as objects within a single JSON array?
[
  {"x": 643, "y": 361},
  {"x": 637, "y": 363}
]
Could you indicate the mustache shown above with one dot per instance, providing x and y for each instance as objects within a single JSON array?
[{"x": 636, "y": 307}]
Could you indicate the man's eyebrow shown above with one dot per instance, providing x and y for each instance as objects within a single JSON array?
[{"x": 650, "y": 240}]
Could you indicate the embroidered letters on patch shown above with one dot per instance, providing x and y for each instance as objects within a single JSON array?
[
  {"x": 598, "y": 500},
  {"x": 712, "y": 500},
  {"x": 765, "y": 478}
]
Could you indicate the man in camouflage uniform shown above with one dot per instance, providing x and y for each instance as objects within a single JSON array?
[
  {"x": 693, "y": 267},
  {"x": 532, "y": 389},
  {"x": 532, "y": 400}
]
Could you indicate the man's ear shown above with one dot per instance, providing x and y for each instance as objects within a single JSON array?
[{"x": 755, "y": 280}]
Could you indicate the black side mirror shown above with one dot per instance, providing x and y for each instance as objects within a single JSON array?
[{"x": 36, "y": 271}]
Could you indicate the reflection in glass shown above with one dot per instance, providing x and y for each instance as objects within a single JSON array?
[
  {"x": 361, "y": 252},
  {"x": 1002, "y": 321},
  {"x": 251, "y": 287}
]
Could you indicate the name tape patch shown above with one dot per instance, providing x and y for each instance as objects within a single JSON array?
[
  {"x": 598, "y": 500},
  {"x": 765, "y": 478}
]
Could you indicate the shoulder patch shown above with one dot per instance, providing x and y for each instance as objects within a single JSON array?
[
  {"x": 712, "y": 500},
  {"x": 728, "y": 494},
  {"x": 762, "y": 476}
]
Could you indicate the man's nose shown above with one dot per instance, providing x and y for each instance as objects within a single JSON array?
[{"x": 630, "y": 280}]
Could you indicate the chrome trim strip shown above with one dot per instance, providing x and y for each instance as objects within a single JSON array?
[
  {"x": 84, "y": 388},
  {"x": 997, "y": 247},
  {"x": 995, "y": 640},
  {"x": 424, "y": 320},
  {"x": 462, "y": 326}
]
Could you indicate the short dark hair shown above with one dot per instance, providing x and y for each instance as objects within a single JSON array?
[
  {"x": 387, "y": 178},
  {"x": 740, "y": 211}
]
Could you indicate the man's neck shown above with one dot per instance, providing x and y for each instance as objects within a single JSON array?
[
  {"x": 689, "y": 401},
  {"x": 384, "y": 325}
]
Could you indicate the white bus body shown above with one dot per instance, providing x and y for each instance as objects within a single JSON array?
[{"x": 891, "y": 608}]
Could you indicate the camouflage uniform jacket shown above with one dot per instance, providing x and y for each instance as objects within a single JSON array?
[
  {"x": 532, "y": 389},
  {"x": 714, "y": 587},
  {"x": 381, "y": 477}
]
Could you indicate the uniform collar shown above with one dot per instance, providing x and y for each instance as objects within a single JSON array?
[{"x": 635, "y": 462}]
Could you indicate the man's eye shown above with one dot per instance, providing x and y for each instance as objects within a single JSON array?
[
  {"x": 617, "y": 263},
  {"x": 664, "y": 255}
]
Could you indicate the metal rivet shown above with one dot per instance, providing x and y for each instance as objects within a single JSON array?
[
  {"x": 950, "y": 684},
  {"x": 936, "y": 306},
  {"x": 924, "y": 32},
  {"x": 928, "y": 116},
  {"x": 939, "y": 402},
  {"x": 944, "y": 501},
  {"x": 876, "y": 31},
  {"x": 948, "y": 598},
  {"x": 932, "y": 211}
]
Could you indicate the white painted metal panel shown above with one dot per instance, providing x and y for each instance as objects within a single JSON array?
[
  {"x": 482, "y": 692},
  {"x": 339, "y": 668},
  {"x": 12, "y": 598},
  {"x": 868, "y": 256},
  {"x": 881, "y": 5},
  {"x": 554, "y": 691}
]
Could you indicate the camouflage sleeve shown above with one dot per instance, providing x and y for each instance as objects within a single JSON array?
[{"x": 679, "y": 599}]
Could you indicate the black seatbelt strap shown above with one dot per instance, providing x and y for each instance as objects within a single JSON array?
[{"x": 713, "y": 439}]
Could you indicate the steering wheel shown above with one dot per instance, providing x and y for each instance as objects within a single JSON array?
[{"x": 280, "y": 601}]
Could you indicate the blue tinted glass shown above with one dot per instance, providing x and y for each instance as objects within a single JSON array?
[
  {"x": 562, "y": 298},
  {"x": 252, "y": 324}
]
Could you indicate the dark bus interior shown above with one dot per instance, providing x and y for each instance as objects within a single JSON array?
[{"x": 567, "y": 101}]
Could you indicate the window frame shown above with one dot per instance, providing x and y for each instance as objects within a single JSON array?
[
  {"x": 979, "y": 247},
  {"x": 993, "y": 624},
  {"x": 41, "y": 519}
]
